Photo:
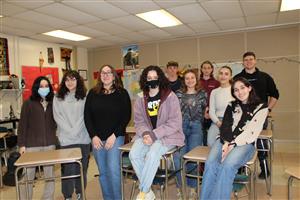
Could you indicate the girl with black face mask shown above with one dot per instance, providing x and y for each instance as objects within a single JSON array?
[{"x": 158, "y": 125}]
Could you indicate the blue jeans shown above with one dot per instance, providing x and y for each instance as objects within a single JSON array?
[
  {"x": 218, "y": 177},
  {"x": 145, "y": 160},
  {"x": 193, "y": 137},
  {"x": 108, "y": 162}
]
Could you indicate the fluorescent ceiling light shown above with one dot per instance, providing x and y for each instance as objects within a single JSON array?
[
  {"x": 160, "y": 18},
  {"x": 1, "y": 16},
  {"x": 67, "y": 35},
  {"x": 289, "y": 5}
]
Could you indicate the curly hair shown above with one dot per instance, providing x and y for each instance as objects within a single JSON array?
[
  {"x": 209, "y": 63},
  {"x": 253, "y": 99},
  {"x": 80, "y": 87},
  {"x": 117, "y": 83},
  {"x": 162, "y": 79},
  {"x": 35, "y": 87},
  {"x": 198, "y": 86}
]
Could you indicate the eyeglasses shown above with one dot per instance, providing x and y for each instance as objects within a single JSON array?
[
  {"x": 71, "y": 79},
  {"x": 106, "y": 73}
]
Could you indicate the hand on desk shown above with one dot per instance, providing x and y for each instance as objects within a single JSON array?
[{"x": 22, "y": 150}]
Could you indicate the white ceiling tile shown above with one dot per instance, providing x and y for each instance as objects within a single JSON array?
[
  {"x": 133, "y": 23},
  {"x": 92, "y": 43},
  {"x": 21, "y": 24},
  {"x": 15, "y": 31},
  {"x": 135, "y": 7},
  {"x": 261, "y": 20},
  {"x": 289, "y": 17},
  {"x": 31, "y": 4},
  {"x": 67, "y": 13},
  {"x": 85, "y": 31},
  {"x": 7, "y": 9},
  {"x": 156, "y": 33},
  {"x": 251, "y": 7},
  {"x": 100, "y": 9},
  {"x": 225, "y": 9},
  {"x": 170, "y": 4},
  {"x": 113, "y": 39},
  {"x": 227, "y": 24},
  {"x": 135, "y": 37},
  {"x": 107, "y": 27},
  {"x": 44, "y": 19},
  {"x": 181, "y": 30},
  {"x": 47, "y": 38},
  {"x": 190, "y": 13},
  {"x": 204, "y": 27}
]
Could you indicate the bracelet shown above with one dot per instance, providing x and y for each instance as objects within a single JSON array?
[{"x": 269, "y": 109}]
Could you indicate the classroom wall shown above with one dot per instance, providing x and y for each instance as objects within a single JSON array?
[
  {"x": 269, "y": 44},
  {"x": 25, "y": 52}
]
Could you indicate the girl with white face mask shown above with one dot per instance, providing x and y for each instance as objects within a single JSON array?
[{"x": 37, "y": 130}]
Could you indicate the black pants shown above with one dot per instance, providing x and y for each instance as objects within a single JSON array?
[
  {"x": 262, "y": 144},
  {"x": 68, "y": 185},
  {"x": 205, "y": 127}
]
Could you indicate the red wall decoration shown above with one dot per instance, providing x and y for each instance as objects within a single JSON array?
[{"x": 30, "y": 73}]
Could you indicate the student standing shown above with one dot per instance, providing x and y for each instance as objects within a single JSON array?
[
  {"x": 242, "y": 123},
  {"x": 219, "y": 99},
  {"x": 37, "y": 131},
  {"x": 106, "y": 115},
  {"x": 193, "y": 103},
  {"x": 68, "y": 109},
  {"x": 208, "y": 82},
  {"x": 267, "y": 91},
  {"x": 158, "y": 125},
  {"x": 172, "y": 73}
]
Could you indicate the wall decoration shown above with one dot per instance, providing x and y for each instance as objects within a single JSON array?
[
  {"x": 130, "y": 57},
  {"x": 83, "y": 74},
  {"x": 131, "y": 82},
  {"x": 4, "y": 61},
  {"x": 65, "y": 55},
  {"x": 30, "y": 73},
  {"x": 50, "y": 55}
]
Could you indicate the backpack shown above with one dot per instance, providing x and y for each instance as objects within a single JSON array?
[{"x": 9, "y": 176}]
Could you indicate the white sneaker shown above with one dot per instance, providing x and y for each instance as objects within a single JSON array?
[
  {"x": 141, "y": 196},
  {"x": 179, "y": 194},
  {"x": 193, "y": 194},
  {"x": 150, "y": 195}
]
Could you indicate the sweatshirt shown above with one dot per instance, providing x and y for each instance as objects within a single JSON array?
[{"x": 68, "y": 114}]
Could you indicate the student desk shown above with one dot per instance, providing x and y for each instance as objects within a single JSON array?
[
  {"x": 2, "y": 135},
  {"x": 61, "y": 156}
]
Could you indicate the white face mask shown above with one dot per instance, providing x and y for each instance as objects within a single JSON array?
[{"x": 43, "y": 92}]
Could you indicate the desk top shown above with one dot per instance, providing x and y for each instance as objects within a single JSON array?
[
  {"x": 49, "y": 157},
  {"x": 293, "y": 171},
  {"x": 3, "y": 134}
]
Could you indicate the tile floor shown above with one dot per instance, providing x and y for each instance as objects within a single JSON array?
[{"x": 286, "y": 155}]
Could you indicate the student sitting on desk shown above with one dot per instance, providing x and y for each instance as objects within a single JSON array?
[
  {"x": 37, "y": 130},
  {"x": 242, "y": 123},
  {"x": 158, "y": 125}
]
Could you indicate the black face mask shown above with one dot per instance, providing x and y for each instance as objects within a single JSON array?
[{"x": 152, "y": 84}]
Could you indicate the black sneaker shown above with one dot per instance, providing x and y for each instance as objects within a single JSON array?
[
  {"x": 78, "y": 196},
  {"x": 262, "y": 175}
]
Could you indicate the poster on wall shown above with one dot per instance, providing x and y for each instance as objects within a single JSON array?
[
  {"x": 30, "y": 73},
  {"x": 50, "y": 55},
  {"x": 236, "y": 67},
  {"x": 131, "y": 82},
  {"x": 4, "y": 62},
  {"x": 130, "y": 57}
]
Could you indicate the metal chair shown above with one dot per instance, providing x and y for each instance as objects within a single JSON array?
[
  {"x": 199, "y": 155},
  {"x": 267, "y": 135},
  {"x": 163, "y": 175}
]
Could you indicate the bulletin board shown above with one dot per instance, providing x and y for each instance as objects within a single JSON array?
[{"x": 30, "y": 73}]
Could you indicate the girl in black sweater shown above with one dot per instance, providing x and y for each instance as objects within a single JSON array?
[{"x": 106, "y": 115}]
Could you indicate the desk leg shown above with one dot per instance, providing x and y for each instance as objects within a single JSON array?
[
  {"x": 82, "y": 180},
  {"x": 290, "y": 181},
  {"x": 17, "y": 183},
  {"x": 1, "y": 175},
  {"x": 122, "y": 178}
]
